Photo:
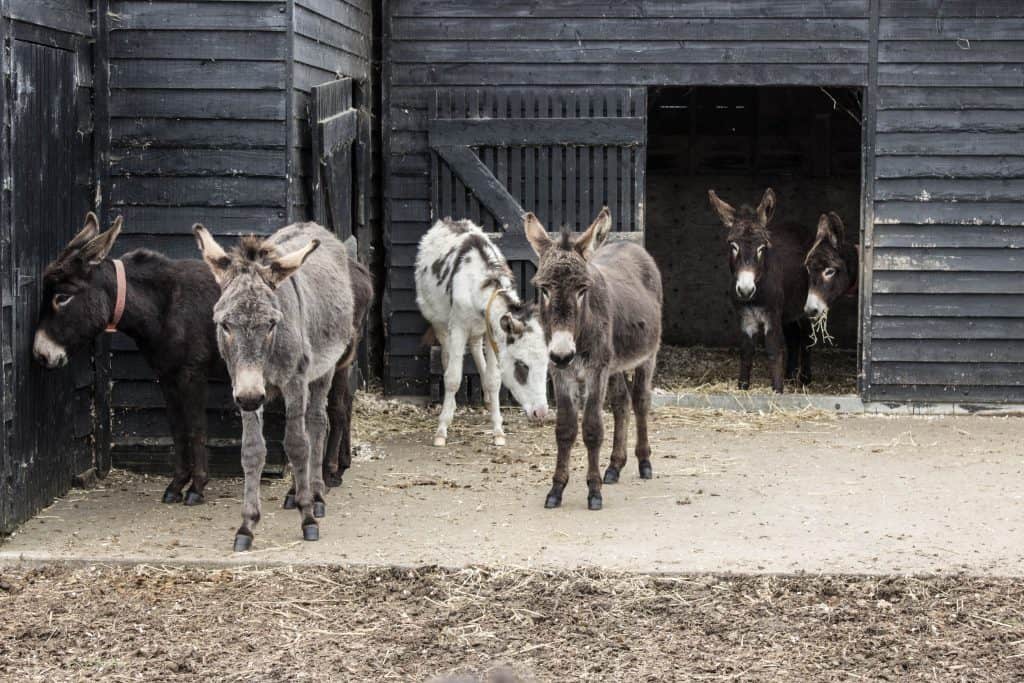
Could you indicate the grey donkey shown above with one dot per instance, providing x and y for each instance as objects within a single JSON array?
[
  {"x": 282, "y": 329},
  {"x": 601, "y": 313}
]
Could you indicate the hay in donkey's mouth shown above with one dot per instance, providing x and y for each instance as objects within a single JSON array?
[{"x": 819, "y": 328}]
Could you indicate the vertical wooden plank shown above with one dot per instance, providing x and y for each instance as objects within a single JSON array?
[
  {"x": 530, "y": 163},
  {"x": 624, "y": 221},
  {"x": 543, "y": 209},
  {"x": 867, "y": 215},
  {"x": 501, "y": 153},
  {"x": 571, "y": 176},
  {"x": 472, "y": 203},
  {"x": 515, "y": 179},
  {"x": 612, "y": 163},
  {"x": 597, "y": 169},
  {"x": 447, "y": 198},
  {"x": 640, "y": 163},
  {"x": 586, "y": 211},
  {"x": 436, "y": 165},
  {"x": 556, "y": 178},
  {"x": 488, "y": 154},
  {"x": 459, "y": 112}
]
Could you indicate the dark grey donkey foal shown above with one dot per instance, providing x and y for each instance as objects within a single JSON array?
[
  {"x": 279, "y": 328},
  {"x": 601, "y": 314}
]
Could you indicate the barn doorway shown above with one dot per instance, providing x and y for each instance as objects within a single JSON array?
[{"x": 805, "y": 142}]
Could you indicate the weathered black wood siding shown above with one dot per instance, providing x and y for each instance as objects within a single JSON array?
[
  {"x": 947, "y": 291},
  {"x": 46, "y": 160},
  {"x": 454, "y": 44}
]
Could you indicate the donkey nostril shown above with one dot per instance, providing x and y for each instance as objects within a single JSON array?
[
  {"x": 562, "y": 359},
  {"x": 249, "y": 402}
]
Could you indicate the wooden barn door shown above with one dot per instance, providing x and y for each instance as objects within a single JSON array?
[
  {"x": 334, "y": 124},
  {"x": 44, "y": 135},
  {"x": 560, "y": 153}
]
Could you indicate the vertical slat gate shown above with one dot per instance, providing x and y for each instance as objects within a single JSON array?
[{"x": 334, "y": 126}]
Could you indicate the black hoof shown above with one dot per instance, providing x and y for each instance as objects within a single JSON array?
[
  {"x": 805, "y": 380},
  {"x": 319, "y": 509},
  {"x": 611, "y": 475},
  {"x": 243, "y": 542},
  {"x": 645, "y": 470},
  {"x": 744, "y": 385},
  {"x": 194, "y": 498},
  {"x": 289, "y": 502},
  {"x": 554, "y": 498},
  {"x": 172, "y": 496},
  {"x": 594, "y": 501},
  {"x": 332, "y": 479},
  {"x": 310, "y": 532}
]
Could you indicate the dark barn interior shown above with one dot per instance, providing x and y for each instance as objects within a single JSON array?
[{"x": 805, "y": 142}]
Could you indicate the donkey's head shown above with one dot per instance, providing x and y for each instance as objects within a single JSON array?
[
  {"x": 830, "y": 274},
  {"x": 247, "y": 313},
  {"x": 749, "y": 240},
  {"x": 523, "y": 355},
  {"x": 563, "y": 279},
  {"x": 76, "y": 303}
]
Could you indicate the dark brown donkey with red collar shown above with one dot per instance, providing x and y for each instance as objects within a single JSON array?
[
  {"x": 769, "y": 287},
  {"x": 166, "y": 307},
  {"x": 832, "y": 265},
  {"x": 601, "y": 313}
]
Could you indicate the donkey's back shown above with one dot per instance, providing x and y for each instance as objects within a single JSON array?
[{"x": 635, "y": 299}]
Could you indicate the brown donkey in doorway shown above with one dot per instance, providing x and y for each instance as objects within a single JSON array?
[{"x": 601, "y": 314}]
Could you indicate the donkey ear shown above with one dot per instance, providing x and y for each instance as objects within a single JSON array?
[
  {"x": 536, "y": 234},
  {"x": 825, "y": 231},
  {"x": 766, "y": 209},
  {"x": 595, "y": 235},
  {"x": 90, "y": 230},
  {"x": 511, "y": 325},
  {"x": 216, "y": 258},
  {"x": 838, "y": 228},
  {"x": 726, "y": 213},
  {"x": 283, "y": 267},
  {"x": 97, "y": 248}
]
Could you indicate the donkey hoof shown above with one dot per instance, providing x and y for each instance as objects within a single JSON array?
[
  {"x": 289, "y": 502},
  {"x": 611, "y": 475},
  {"x": 744, "y": 385},
  {"x": 243, "y": 542},
  {"x": 645, "y": 470},
  {"x": 310, "y": 532},
  {"x": 333, "y": 480},
  {"x": 194, "y": 498},
  {"x": 805, "y": 380},
  {"x": 499, "y": 439},
  {"x": 554, "y": 500},
  {"x": 440, "y": 441},
  {"x": 319, "y": 509},
  {"x": 171, "y": 496},
  {"x": 594, "y": 501}
]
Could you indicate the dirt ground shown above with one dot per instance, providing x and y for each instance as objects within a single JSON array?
[{"x": 148, "y": 623}]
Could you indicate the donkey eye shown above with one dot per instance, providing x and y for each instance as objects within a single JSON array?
[
  {"x": 225, "y": 329},
  {"x": 760, "y": 251},
  {"x": 544, "y": 295},
  {"x": 580, "y": 294},
  {"x": 735, "y": 248},
  {"x": 60, "y": 300},
  {"x": 829, "y": 272}
]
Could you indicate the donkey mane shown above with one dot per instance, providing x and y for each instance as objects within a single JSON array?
[
  {"x": 253, "y": 249},
  {"x": 747, "y": 225}
]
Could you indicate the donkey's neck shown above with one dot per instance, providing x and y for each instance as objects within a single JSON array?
[{"x": 146, "y": 299}]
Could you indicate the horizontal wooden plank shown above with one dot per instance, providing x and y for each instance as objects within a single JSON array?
[
  {"x": 949, "y": 167},
  {"x": 986, "y": 260},
  {"x": 406, "y": 322},
  {"x": 351, "y": 37},
  {"x": 598, "y": 130},
  {"x": 943, "y": 374},
  {"x": 348, "y": 14},
  {"x": 951, "y": 51},
  {"x": 143, "y": 161},
  {"x": 69, "y": 16},
  {"x": 198, "y": 44},
  {"x": 950, "y": 145},
  {"x": 192, "y": 74},
  {"x": 338, "y": 62},
  {"x": 586, "y": 29},
  {"x": 576, "y": 51},
  {"x": 168, "y": 229},
  {"x": 948, "y": 305},
  {"x": 266, "y": 105},
  {"x": 948, "y": 351},
  {"x": 950, "y": 189},
  {"x": 631, "y": 74},
  {"x": 951, "y": 8},
  {"x": 938, "y": 236},
  {"x": 966, "y": 395},
  {"x": 216, "y": 134},
  {"x": 210, "y": 191},
  {"x": 949, "y": 213},
  {"x": 202, "y": 16},
  {"x": 968, "y": 121},
  {"x": 979, "y": 327},
  {"x": 950, "y": 98},
  {"x": 631, "y": 8},
  {"x": 946, "y": 282},
  {"x": 991, "y": 75},
  {"x": 930, "y": 28}
]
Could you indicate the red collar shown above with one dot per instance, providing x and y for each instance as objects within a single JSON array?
[
  {"x": 852, "y": 289},
  {"x": 122, "y": 294}
]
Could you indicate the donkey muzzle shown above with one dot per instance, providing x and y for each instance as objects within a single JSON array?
[
  {"x": 47, "y": 352},
  {"x": 249, "y": 390},
  {"x": 746, "y": 285},
  {"x": 815, "y": 305},
  {"x": 562, "y": 348}
]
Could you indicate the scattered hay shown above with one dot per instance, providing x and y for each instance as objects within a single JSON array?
[
  {"x": 819, "y": 328},
  {"x": 383, "y": 624}
]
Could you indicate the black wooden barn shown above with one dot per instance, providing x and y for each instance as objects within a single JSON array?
[{"x": 379, "y": 116}]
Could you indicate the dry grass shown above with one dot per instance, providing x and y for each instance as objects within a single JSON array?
[{"x": 147, "y": 623}]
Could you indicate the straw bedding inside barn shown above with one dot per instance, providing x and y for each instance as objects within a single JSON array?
[{"x": 146, "y": 623}]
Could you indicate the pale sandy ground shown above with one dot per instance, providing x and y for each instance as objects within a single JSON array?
[{"x": 731, "y": 493}]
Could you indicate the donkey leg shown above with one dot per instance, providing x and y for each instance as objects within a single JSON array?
[
  {"x": 618, "y": 397},
  {"x": 453, "y": 350},
  {"x": 747, "y": 347},
  {"x": 566, "y": 428},
  {"x": 338, "y": 456},
  {"x": 775, "y": 343},
  {"x": 805, "y": 352},
  {"x": 593, "y": 434},
  {"x": 297, "y": 448},
  {"x": 642, "y": 379},
  {"x": 193, "y": 388},
  {"x": 176, "y": 420},
  {"x": 316, "y": 428},
  {"x": 792, "y": 333},
  {"x": 254, "y": 456},
  {"x": 476, "y": 347},
  {"x": 491, "y": 375}
]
